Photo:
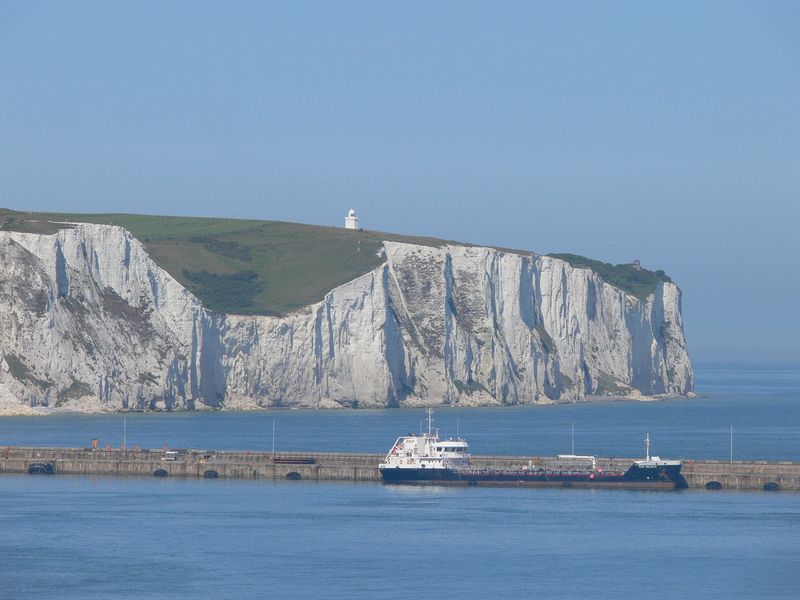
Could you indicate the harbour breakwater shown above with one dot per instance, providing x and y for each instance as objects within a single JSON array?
[{"x": 317, "y": 466}]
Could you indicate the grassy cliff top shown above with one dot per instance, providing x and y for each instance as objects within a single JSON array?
[
  {"x": 629, "y": 277},
  {"x": 236, "y": 265},
  {"x": 244, "y": 266}
]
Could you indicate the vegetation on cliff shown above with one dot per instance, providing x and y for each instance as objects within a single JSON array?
[
  {"x": 629, "y": 277},
  {"x": 270, "y": 267}
]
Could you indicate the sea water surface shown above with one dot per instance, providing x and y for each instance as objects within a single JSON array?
[
  {"x": 761, "y": 404},
  {"x": 96, "y": 538}
]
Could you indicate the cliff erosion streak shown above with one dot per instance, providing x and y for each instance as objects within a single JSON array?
[{"x": 89, "y": 322}]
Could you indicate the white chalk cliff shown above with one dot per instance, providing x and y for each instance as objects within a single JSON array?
[{"x": 88, "y": 321}]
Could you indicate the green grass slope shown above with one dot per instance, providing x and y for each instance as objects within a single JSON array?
[
  {"x": 634, "y": 280},
  {"x": 243, "y": 266},
  {"x": 240, "y": 266}
]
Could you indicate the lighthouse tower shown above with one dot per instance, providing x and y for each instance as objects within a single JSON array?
[{"x": 351, "y": 220}]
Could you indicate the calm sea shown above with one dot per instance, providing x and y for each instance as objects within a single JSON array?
[
  {"x": 762, "y": 405},
  {"x": 98, "y": 538}
]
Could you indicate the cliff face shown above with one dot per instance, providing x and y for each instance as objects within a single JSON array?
[{"x": 88, "y": 321}]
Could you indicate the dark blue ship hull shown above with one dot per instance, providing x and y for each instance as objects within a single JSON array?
[{"x": 656, "y": 477}]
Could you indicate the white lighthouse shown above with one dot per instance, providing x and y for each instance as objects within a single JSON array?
[{"x": 351, "y": 220}]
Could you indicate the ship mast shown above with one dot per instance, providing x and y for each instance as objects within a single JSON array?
[
  {"x": 647, "y": 444},
  {"x": 430, "y": 421}
]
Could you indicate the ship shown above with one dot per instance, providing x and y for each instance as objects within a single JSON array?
[{"x": 425, "y": 459}]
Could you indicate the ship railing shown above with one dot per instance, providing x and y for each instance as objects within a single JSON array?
[{"x": 577, "y": 457}]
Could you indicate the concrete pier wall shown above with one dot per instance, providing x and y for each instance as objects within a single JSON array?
[{"x": 316, "y": 466}]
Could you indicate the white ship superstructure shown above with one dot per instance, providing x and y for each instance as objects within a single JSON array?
[{"x": 427, "y": 451}]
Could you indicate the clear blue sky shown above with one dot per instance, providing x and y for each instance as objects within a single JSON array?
[{"x": 668, "y": 132}]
